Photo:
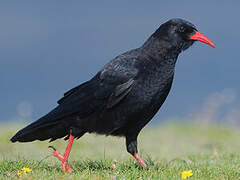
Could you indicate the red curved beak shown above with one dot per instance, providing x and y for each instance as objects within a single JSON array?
[{"x": 200, "y": 37}]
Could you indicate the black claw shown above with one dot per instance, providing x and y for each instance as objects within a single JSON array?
[{"x": 52, "y": 147}]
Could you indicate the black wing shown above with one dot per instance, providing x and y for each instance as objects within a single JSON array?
[
  {"x": 105, "y": 90},
  {"x": 71, "y": 91}
]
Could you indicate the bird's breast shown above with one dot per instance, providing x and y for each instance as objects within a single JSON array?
[{"x": 153, "y": 83}]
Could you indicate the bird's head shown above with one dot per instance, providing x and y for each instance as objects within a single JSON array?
[{"x": 180, "y": 34}]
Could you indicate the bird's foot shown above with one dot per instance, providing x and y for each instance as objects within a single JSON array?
[
  {"x": 64, "y": 159},
  {"x": 141, "y": 162},
  {"x": 65, "y": 166}
]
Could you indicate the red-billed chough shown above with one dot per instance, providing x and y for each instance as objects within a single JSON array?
[{"x": 122, "y": 97}]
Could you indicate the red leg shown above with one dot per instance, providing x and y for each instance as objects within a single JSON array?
[
  {"x": 64, "y": 158},
  {"x": 69, "y": 145},
  {"x": 137, "y": 157}
]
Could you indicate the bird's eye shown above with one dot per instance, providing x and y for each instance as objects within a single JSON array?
[{"x": 181, "y": 29}]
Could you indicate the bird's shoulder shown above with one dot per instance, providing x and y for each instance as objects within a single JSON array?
[{"x": 123, "y": 67}]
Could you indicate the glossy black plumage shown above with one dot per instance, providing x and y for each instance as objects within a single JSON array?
[{"x": 123, "y": 96}]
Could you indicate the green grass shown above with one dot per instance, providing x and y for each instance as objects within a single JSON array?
[{"x": 211, "y": 152}]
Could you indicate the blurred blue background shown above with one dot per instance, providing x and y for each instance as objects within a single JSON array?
[{"x": 48, "y": 47}]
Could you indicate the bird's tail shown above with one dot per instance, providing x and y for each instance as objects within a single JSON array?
[{"x": 42, "y": 129}]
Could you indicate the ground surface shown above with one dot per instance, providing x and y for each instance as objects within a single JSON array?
[{"x": 211, "y": 152}]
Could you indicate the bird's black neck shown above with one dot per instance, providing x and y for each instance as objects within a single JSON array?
[{"x": 160, "y": 49}]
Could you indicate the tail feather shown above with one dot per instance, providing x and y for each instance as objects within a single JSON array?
[
  {"x": 49, "y": 131},
  {"x": 42, "y": 129},
  {"x": 52, "y": 126}
]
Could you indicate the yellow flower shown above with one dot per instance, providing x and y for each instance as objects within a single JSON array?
[
  {"x": 19, "y": 173},
  {"x": 186, "y": 174},
  {"x": 26, "y": 170}
]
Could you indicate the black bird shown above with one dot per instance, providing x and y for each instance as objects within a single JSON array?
[{"x": 122, "y": 97}]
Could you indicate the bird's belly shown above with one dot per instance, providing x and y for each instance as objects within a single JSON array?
[{"x": 133, "y": 113}]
